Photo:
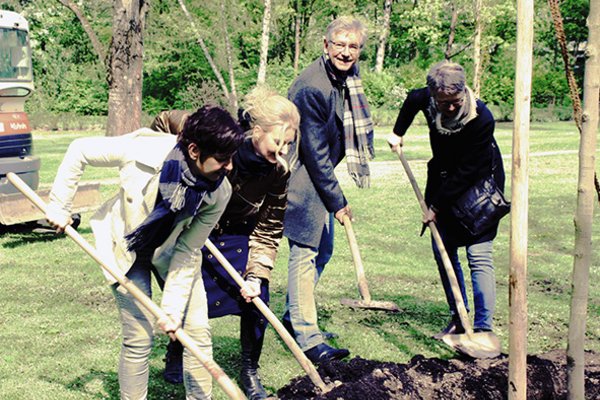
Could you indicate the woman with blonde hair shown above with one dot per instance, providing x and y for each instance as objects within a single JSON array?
[{"x": 250, "y": 229}]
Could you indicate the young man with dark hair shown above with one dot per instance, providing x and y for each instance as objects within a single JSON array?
[{"x": 171, "y": 195}]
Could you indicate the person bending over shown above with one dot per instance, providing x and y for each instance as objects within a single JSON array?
[
  {"x": 172, "y": 192},
  {"x": 249, "y": 232},
  {"x": 461, "y": 134}
]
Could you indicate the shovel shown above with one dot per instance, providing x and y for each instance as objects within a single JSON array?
[
  {"x": 475, "y": 345},
  {"x": 230, "y": 388},
  {"x": 363, "y": 287},
  {"x": 304, "y": 362}
]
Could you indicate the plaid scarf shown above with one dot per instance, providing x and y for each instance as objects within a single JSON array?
[
  {"x": 449, "y": 126},
  {"x": 180, "y": 194},
  {"x": 358, "y": 127}
]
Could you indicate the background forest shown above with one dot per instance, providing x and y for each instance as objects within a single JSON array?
[{"x": 71, "y": 77}]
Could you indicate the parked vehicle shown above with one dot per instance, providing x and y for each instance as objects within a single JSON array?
[{"x": 16, "y": 86}]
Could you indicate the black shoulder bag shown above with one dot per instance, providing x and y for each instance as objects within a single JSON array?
[{"x": 481, "y": 206}]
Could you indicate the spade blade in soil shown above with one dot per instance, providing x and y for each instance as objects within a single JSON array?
[{"x": 476, "y": 345}]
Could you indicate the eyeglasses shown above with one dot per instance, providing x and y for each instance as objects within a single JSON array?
[
  {"x": 339, "y": 47},
  {"x": 458, "y": 102}
]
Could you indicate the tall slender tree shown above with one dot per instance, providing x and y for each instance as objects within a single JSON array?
[
  {"x": 229, "y": 53},
  {"x": 517, "y": 292},
  {"x": 264, "y": 43},
  {"x": 477, "y": 59},
  {"x": 206, "y": 52},
  {"x": 385, "y": 31},
  {"x": 585, "y": 211}
]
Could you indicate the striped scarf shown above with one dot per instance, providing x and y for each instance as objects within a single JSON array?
[
  {"x": 180, "y": 194},
  {"x": 358, "y": 126}
]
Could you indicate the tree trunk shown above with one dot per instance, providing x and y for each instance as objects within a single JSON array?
[
  {"x": 585, "y": 211},
  {"x": 385, "y": 30},
  {"x": 450, "y": 43},
  {"x": 297, "y": 24},
  {"x": 209, "y": 58},
  {"x": 233, "y": 98},
  {"x": 573, "y": 89},
  {"x": 517, "y": 366},
  {"x": 125, "y": 65},
  {"x": 97, "y": 46},
  {"x": 477, "y": 61},
  {"x": 264, "y": 44}
]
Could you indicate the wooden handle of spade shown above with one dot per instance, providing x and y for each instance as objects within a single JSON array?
[{"x": 230, "y": 388}]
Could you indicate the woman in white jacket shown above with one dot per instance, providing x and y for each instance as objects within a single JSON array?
[{"x": 172, "y": 192}]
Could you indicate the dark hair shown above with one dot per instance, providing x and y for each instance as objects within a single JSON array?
[{"x": 214, "y": 131}]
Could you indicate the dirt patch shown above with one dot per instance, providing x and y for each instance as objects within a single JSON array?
[{"x": 434, "y": 378}]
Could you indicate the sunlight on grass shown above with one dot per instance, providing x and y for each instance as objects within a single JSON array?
[{"x": 59, "y": 329}]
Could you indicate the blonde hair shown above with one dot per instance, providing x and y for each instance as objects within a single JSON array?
[{"x": 266, "y": 108}]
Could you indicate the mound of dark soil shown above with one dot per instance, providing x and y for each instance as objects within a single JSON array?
[{"x": 433, "y": 378}]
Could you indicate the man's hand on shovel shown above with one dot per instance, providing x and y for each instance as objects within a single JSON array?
[{"x": 339, "y": 215}]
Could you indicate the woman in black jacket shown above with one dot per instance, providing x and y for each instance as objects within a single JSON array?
[
  {"x": 461, "y": 134},
  {"x": 250, "y": 229}
]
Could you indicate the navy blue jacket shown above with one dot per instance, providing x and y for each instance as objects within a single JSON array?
[
  {"x": 459, "y": 161},
  {"x": 313, "y": 188}
]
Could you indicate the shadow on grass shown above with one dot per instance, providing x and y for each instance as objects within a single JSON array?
[
  {"x": 29, "y": 233},
  {"x": 418, "y": 319},
  {"x": 105, "y": 384}
]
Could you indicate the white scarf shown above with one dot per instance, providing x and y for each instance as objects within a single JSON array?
[{"x": 449, "y": 126}]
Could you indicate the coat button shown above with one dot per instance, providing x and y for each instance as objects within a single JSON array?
[
  {"x": 239, "y": 250},
  {"x": 215, "y": 279},
  {"x": 222, "y": 244},
  {"x": 217, "y": 303},
  {"x": 209, "y": 256}
]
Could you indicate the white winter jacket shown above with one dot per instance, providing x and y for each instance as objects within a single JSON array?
[{"x": 139, "y": 157}]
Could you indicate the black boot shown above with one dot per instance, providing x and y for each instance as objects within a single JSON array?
[
  {"x": 252, "y": 333},
  {"x": 174, "y": 363}
]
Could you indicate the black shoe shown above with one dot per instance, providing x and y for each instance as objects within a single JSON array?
[
  {"x": 173, "y": 372},
  {"x": 454, "y": 327},
  {"x": 322, "y": 353},
  {"x": 479, "y": 330},
  {"x": 253, "y": 388}
]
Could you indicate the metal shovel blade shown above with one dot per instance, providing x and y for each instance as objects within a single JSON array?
[
  {"x": 372, "y": 305},
  {"x": 475, "y": 345}
]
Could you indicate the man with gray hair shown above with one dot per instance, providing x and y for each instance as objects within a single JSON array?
[
  {"x": 461, "y": 134},
  {"x": 335, "y": 122}
]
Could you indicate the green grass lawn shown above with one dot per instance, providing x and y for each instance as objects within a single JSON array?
[{"x": 59, "y": 330}]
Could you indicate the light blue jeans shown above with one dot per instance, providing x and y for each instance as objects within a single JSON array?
[
  {"x": 138, "y": 326},
  {"x": 479, "y": 258},
  {"x": 305, "y": 267}
]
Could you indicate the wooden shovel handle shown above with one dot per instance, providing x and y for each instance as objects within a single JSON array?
[
  {"x": 458, "y": 299},
  {"x": 363, "y": 287},
  {"x": 304, "y": 362},
  {"x": 228, "y": 386}
]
